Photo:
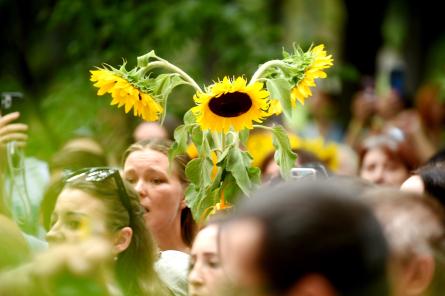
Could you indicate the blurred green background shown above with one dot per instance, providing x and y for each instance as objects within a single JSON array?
[{"x": 49, "y": 46}]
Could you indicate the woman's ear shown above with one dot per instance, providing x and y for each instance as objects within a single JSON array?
[{"x": 123, "y": 239}]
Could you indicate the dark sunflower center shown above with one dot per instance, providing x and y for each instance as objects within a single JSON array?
[{"x": 230, "y": 104}]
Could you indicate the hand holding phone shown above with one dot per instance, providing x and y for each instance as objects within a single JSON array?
[{"x": 11, "y": 102}]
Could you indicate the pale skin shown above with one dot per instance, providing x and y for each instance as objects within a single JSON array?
[
  {"x": 78, "y": 216},
  {"x": 206, "y": 273},
  {"x": 161, "y": 194},
  {"x": 380, "y": 169}
]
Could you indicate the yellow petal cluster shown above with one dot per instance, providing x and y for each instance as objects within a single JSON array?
[
  {"x": 320, "y": 61},
  {"x": 231, "y": 104},
  {"x": 260, "y": 146},
  {"x": 125, "y": 94}
]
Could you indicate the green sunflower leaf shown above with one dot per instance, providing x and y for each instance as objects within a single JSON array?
[
  {"x": 189, "y": 117},
  {"x": 201, "y": 201},
  {"x": 180, "y": 144},
  {"x": 238, "y": 164},
  {"x": 199, "y": 171},
  {"x": 284, "y": 156},
  {"x": 231, "y": 189},
  {"x": 145, "y": 59},
  {"x": 280, "y": 89},
  {"x": 243, "y": 136}
]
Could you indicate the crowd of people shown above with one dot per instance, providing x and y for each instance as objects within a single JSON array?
[{"x": 374, "y": 224}]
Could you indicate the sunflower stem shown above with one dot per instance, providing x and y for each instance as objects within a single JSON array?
[
  {"x": 217, "y": 140},
  {"x": 166, "y": 64},
  {"x": 260, "y": 71},
  {"x": 263, "y": 127}
]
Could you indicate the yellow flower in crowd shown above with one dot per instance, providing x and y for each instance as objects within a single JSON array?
[
  {"x": 260, "y": 146},
  {"x": 125, "y": 94},
  {"x": 231, "y": 104},
  {"x": 320, "y": 61}
]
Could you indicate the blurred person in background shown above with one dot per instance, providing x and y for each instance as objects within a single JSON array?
[
  {"x": 414, "y": 226},
  {"x": 149, "y": 131},
  {"x": 323, "y": 124},
  {"x": 301, "y": 238},
  {"x": 22, "y": 179},
  {"x": 372, "y": 111},
  {"x": 98, "y": 235},
  {"x": 386, "y": 159},
  {"x": 430, "y": 105},
  {"x": 161, "y": 191},
  {"x": 77, "y": 153},
  {"x": 206, "y": 274},
  {"x": 348, "y": 162}
]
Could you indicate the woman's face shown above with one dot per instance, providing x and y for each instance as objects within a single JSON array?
[
  {"x": 379, "y": 168},
  {"x": 160, "y": 191},
  {"x": 77, "y": 216},
  {"x": 206, "y": 273}
]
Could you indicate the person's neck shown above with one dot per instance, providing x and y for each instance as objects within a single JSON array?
[{"x": 170, "y": 238}]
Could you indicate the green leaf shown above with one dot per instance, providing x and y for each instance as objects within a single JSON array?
[
  {"x": 231, "y": 189},
  {"x": 199, "y": 171},
  {"x": 145, "y": 59},
  {"x": 284, "y": 156},
  {"x": 223, "y": 155},
  {"x": 238, "y": 164},
  {"x": 165, "y": 83},
  {"x": 281, "y": 89},
  {"x": 200, "y": 201},
  {"x": 243, "y": 136},
  {"x": 197, "y": 136},
  {"x": 181, "y": 136},
  {"x": 189, "y": 118},
  {"x": 254, "y": 174},
  {"x": 180, "y": 144}
]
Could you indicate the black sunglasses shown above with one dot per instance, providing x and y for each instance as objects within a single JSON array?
[{"x": 100, "y": 174}]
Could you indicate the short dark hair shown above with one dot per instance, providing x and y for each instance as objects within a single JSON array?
[
  {"x": 317, "y": 227},
  {"x": 433, "y": 178}
]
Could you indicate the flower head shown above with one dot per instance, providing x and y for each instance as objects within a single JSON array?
[
  {"x": 231, "y": 104},
  {"x": 125, "y": 94},
  {"x": 319, "y": 61}
]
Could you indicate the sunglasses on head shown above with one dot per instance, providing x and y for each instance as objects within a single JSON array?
[{"x": 101, "y": 174}]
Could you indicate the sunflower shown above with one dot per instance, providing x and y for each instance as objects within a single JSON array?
[
  {"x": 319, "y": 62},
  {"x": 125, "y": 94},
  {"x": 231, "y": 104}
]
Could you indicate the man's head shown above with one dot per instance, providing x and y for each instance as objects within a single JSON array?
[
  {"x": 414, "y": 226},
  {"x": 312, "y": 238}
]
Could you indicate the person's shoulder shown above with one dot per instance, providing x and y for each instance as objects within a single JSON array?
[{"x": 172, "y": 268}]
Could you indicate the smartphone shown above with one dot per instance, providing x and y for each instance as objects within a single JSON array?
[
  {"x": 11, "y": 102},
  {"x": 397, "y": 80},
  {"x": 303, "y": 173}
]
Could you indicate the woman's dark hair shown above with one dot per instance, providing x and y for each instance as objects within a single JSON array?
[
  {"x": 317, "y": 228},
  {"x": 188, "y": 224},
  {"x": 134, "y": 266}
]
